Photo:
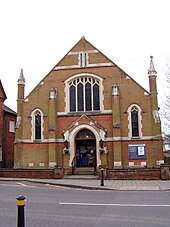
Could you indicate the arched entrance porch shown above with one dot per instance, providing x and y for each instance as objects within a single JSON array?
[
  {"x": 85, "y": 149},
  {"x": 71, "y": 137}
]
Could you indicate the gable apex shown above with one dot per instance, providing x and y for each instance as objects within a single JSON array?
[
  {"x": 84, "y": 119},
  {"x": 83, "y": 45},
  {"x": 83, "y": 55}
]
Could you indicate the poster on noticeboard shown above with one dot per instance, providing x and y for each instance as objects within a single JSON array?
[{"x": 136, "y": 151}]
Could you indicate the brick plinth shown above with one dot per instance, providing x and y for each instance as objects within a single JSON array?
[
  {"x": 134, "y": 174},
  {"x": 26, "y": 173}
]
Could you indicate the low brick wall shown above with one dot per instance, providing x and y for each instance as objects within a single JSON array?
[
  {"x": 161, "y": 173},
  {"x": 56, "y": 173}
]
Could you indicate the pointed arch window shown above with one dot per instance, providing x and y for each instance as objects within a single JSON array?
[
  {"x": 84, "y": 94},
  {"x": 135, "y": 122},
  {"x": 37, "y": 125}
]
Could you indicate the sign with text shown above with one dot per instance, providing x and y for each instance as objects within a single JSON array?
[{"x": 136, "y": 151}]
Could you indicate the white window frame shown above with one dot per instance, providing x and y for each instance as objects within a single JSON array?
[
  {"x": 67, "y": 93},
  {"x": 11, "y": 126},
  {"x": 130, "y": 121},
  {"x": 33, "y": 124}
]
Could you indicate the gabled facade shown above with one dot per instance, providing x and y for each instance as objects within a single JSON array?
[
  {"x": 88, "y": 112},
  {"x": 7, "y": 132}
]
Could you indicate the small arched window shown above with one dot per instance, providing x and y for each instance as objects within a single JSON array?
[
  {"x": 37, "y": 125},
  {"x": 134, "y": 121}
]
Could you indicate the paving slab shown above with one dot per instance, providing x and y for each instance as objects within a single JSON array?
[{"x": 93, "y": 184}]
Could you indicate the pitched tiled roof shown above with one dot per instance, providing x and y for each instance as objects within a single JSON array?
[{"x": 7, "y": 109}]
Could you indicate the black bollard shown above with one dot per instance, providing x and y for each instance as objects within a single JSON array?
[
  {"x": 102, "y": 177},
  {"x": 21, "y": 218}
]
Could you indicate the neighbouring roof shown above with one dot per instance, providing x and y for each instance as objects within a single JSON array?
[
  {"x": 2, "y": 92},
  {"x": 7, "y": 109}
]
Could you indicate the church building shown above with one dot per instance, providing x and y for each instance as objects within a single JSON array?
[{"x": 87, "y": 112}]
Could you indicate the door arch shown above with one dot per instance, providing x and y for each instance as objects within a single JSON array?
[
  {"x": 71, "y": 138},
  {"x": 85, "y": 151}
]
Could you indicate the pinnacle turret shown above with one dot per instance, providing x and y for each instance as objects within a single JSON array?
[
  {"x": 21, "y": 79},
  {"x": 152, "y": 71}
]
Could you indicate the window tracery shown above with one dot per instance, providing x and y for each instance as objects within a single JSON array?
[{"x": 84, "y": 94}]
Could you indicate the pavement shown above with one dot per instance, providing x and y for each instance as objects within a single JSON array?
[{"x": 95, "y": 184}]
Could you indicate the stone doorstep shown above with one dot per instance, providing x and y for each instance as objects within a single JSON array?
[{"x": 81, "y": 177}]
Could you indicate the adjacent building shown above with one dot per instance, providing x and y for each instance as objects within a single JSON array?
[{"x": 7, "y": 132}]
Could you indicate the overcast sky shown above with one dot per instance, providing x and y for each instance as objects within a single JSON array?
[{"x": 36, "y": 34}]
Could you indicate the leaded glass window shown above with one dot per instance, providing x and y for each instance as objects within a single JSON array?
[
  {"x": 38, "y": 125},
  {"x": 135, "y": 122},
  {"x": 84, "y": 94},
  {"x": 88, "y": 96},
  {"x": 96, "y": 103},
  {"x": 80, "y": 97},
  {"x": 72, "y": 98}
]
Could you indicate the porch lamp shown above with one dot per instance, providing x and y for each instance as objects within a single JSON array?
[
  {"x": 101, "y": 143},
  {"x": 66, "y": 144}
]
